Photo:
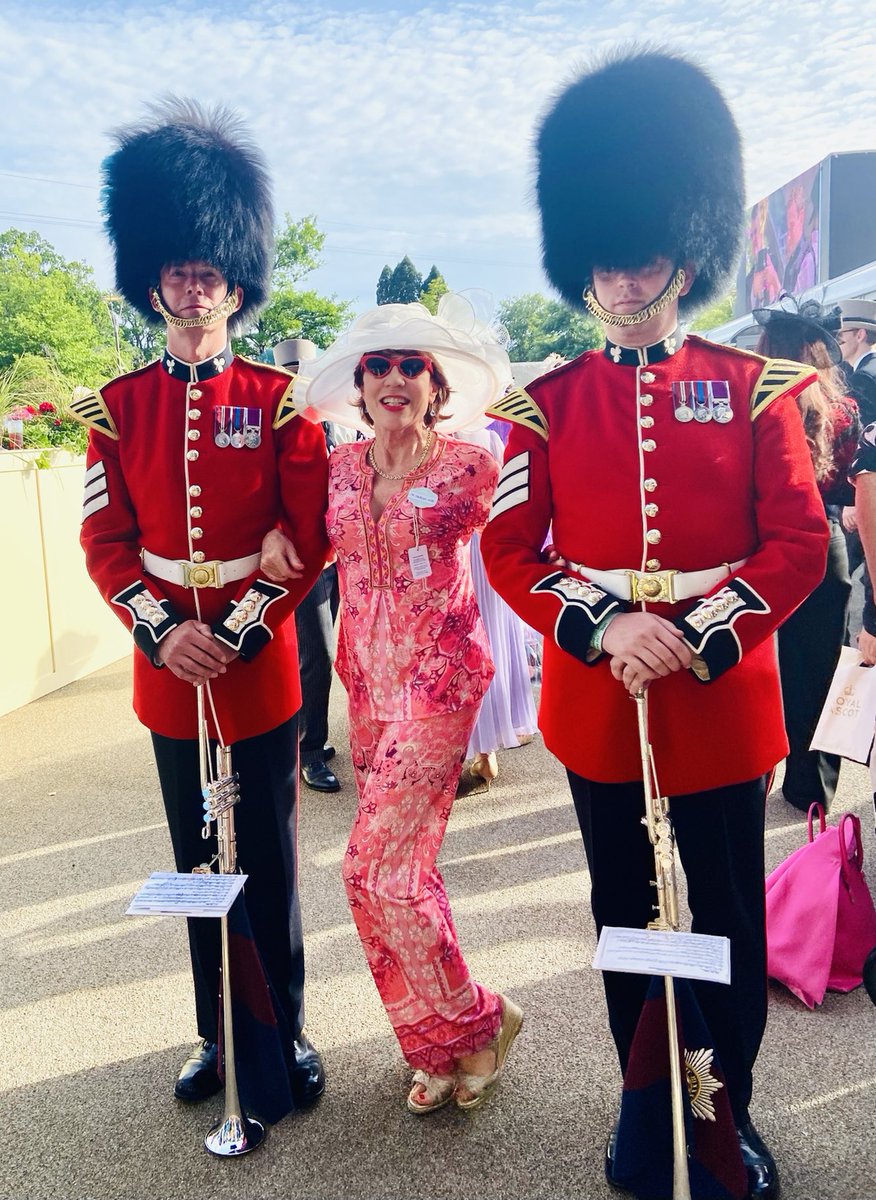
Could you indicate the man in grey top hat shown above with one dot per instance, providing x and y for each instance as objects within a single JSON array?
[
  {"x": 315, "y": 619},
  {"x": 857, "y": 339}
]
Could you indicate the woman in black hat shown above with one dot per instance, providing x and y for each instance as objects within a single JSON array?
[{"x": 811, "y": 638}]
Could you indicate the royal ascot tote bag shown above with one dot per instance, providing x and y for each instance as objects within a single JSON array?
[
  {"x": 821, "y": 923},
  {"x": 845, "y": 726}
]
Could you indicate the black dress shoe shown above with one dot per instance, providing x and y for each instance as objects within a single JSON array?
[
  {"x": 320, "y": 777},
  {"x": 610, "y": 1150},
  {"x": 307, "y": 1076},
  {"x": 763, "y": 1178},
  {"x": 328, "y": 753},
  {"x": 199, "y": 1077}
]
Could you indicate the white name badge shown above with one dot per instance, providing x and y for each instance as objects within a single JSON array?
[
  {"x": 418, "y": 556},
  {"x": 423, "y": 497}
]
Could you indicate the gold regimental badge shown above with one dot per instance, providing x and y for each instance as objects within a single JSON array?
[{"x": 701, "y": 1083}]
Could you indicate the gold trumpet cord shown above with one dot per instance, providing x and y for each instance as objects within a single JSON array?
[{"x": 666, "y": 297}]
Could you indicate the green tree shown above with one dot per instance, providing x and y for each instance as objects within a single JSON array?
[
  {"x": 405, "y": 284},
  {"x": 53, "y": 309},
  {"x": 383, "y": 285},
  {"x": 433, "y": 288},
  {"x": 716, "y": 314},
  {"x": 538, "y": 327},
  {"x": 292, "y": 311},
  {"x": 147, "y": 341}
]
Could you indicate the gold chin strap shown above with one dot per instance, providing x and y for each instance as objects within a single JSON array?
[
  {"x": 221, "y": 312},
  {"x": 666, "y": 297}
]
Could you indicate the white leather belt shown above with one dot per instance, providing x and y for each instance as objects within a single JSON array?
[
  {"x": 213, "y": 574},
  {"x": 657, "y": 587}
]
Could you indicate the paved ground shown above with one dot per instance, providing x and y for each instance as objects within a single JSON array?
[{"x": 96, "y": 1007}]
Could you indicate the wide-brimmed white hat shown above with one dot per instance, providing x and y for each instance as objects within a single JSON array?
[{"x": 466, "y": 347}]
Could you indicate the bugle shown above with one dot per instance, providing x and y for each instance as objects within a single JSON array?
[
  {"x": 235, "y": 1133},
  {"x": 662, "y": 840}
]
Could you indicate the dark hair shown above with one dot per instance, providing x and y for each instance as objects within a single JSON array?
[
  {"x": 439, "y": 379},
  {"x": 791, "y": 339}
]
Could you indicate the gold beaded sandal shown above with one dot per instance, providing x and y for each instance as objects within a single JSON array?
[
  {"x": 430, "y": 1092},
  {"x": 481, "y": 1087}
]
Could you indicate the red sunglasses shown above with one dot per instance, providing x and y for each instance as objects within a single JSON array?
[{"x": 410, "y": 365}]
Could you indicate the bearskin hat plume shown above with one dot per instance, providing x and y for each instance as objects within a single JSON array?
[
  {"x": 189, "y": 184},
  {"x": 640, "y": 158}
]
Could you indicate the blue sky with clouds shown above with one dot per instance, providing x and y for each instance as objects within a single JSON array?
[{"x": 405, "y": 128}]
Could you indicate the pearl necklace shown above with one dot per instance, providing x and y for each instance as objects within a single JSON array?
[{"x": 413, "y": 470}]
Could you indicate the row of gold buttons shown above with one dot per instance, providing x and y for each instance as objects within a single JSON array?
[
  {"x": 193, "y": 395},
  {"x": 649, "y": 445}
]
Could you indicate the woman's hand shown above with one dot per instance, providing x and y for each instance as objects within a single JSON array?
[
  {"x": 643, "y": 647},
  {"x": 867, "y": 646},
  {"x": 550, "y": 554},
  {"x": 280, "y": 559}
]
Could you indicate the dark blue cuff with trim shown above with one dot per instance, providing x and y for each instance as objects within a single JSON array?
[
  {"x": 708, "y": 626},
  {"x": 583, "y": 606}
]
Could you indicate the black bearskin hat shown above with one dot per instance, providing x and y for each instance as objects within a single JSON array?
[
  {"x": 640, "y": 158},
  {"x": 189, "y": 184}
]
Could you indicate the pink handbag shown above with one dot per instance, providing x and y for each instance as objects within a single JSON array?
[{"x": 821, "y": 923}]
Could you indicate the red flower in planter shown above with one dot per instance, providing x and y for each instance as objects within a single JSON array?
[{"x": 47, "y": 407}]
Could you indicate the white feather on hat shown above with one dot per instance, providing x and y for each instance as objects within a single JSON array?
[{"x": 466, "y": 347}]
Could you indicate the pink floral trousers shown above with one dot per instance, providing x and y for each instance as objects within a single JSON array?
[{"x": 406, "y": 775}]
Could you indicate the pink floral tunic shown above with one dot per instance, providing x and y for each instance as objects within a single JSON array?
[{"x": 410, "y": 648}]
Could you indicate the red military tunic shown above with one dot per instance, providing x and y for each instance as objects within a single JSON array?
[
  {"x": 599, "y": 458},
  {"x": 160, "y": 478}
]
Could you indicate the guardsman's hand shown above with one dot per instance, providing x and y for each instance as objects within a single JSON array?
[
  {"x": 193, "y": 653},
  {"x": 643, "y": 647},
  {"x": 867, "y": 646},
  {"x": 280, "y": 559}
]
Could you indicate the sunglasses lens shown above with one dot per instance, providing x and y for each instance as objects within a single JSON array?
[
  {"x": 412, "y": 367},
  {"x": 377, "y": 365}
]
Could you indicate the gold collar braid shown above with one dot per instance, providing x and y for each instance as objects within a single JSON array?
[
  {"x": 221, "y": 312},
  {"x": 666, "y": 297}
]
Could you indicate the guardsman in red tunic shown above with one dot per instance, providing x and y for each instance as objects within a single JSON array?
[
  {"x": 674, "y": 480},
  {"x": 191, "y": 461}
]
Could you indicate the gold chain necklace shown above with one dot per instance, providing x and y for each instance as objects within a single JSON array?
[{"x": 413, "y": 470}]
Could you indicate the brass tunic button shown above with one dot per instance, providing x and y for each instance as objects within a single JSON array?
[
  {"x": 646, "y": 399},
  {"x": 195, "y": 394},
  {"x": 648, "y": 445},
  {"x": 653, "y": 536},
  {"x": 194, "y": 414},
  {"x": 653, "y": 564},
  {"x": 646, "y": 422},
  {"x": 198, "y": 556},
  {"x": 651, "y": 510},
  {"x": 196, "y": 512},
  {"x": 193, "y": 435},
  {"x": 192, "y": 455},
  {"x": 647, "y": 377},
  {"x": 199, "y": 533},
  {"x": 194, "y": 490},
  {"x": 650, "y": 485}
]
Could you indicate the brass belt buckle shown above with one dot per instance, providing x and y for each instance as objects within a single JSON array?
[
  {"x": 652, "y": 587},
  {"x": 201, "y": 575}
]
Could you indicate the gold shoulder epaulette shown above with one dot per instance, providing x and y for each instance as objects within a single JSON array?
[
  {"x": 519, "y": 408},
  {"x": 286, "y": 410},
  {"x": 91, "y": 410},
  {"x": 779, "y": 377}
]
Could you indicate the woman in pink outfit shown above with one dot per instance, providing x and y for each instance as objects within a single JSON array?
[{"x": 414, "y": 659}]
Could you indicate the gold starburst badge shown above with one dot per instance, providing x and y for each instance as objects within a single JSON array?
[{"x": 701, "y": 1083}]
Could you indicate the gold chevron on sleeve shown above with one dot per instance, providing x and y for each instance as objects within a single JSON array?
[
  {"x": 91, "y": 410},
  {"x": 779, "y": 377},
  {"x": 286, "y": 410},
  {"x": 518, "y": 407}
]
